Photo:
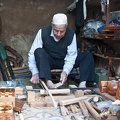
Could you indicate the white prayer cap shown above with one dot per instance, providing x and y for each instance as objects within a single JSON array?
[{"x": 59, "y": 19}]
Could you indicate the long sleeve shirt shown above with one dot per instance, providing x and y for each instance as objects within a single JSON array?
[{"x": 69, "y": 59}]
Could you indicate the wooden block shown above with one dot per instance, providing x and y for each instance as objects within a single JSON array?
[
  {"x": 29, "y": 87},
  {"x": 79, "y": 93},
  {"x": 19, "y": 91},
  {"x": 30, "y": 96}
]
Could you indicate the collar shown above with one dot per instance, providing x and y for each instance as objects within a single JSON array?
[{"x": 54, "y": 36}]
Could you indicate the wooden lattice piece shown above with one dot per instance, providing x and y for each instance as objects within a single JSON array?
[{"x": 7, "y": 95}]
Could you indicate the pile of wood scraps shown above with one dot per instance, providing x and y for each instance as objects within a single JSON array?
[{"x": 70, "y": 102}]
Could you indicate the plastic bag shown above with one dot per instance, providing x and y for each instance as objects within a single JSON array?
[{"x": 91, "y": 27}]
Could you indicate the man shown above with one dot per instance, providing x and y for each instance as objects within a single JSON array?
[{"x": 55, "y": 47}]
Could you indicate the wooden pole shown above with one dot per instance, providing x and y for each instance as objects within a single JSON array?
[{"x": 108, "y": 14}]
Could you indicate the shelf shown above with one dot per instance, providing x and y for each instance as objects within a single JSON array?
[{"x": 106, "y": 57}]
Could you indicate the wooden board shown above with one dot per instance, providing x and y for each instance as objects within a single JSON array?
[
  {"x": 18, "y": 105},
  {"x": 55, "y": 91}
]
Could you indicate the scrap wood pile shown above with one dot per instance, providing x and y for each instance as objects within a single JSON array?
[{"x": 75, "y": 103}]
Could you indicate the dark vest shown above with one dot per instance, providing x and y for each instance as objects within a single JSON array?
[{"x": 55, "y": 49}]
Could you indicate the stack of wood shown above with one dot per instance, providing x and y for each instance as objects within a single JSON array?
[
  {"x": 70, "y": 102},
  {"x": 111, "y": 31},
  {"x": 76, "y": 105}
]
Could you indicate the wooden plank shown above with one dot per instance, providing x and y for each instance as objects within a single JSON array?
[
  {"x": 18, "y": 90},
  {"x": 55, "y": 91},
  {"x": 79, "y": 93},
  {"x": 58, "y": 98},
  {"x": 72, "y": 101},
  {"x": 30, "y": 96}
]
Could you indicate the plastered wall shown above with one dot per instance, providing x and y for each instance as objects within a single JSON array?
[{"x": 21, "y": 19}]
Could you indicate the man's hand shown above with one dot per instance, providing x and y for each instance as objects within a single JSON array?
[
  {"x": 63, "y": 77},
  {"x": 35, "y": 79}
]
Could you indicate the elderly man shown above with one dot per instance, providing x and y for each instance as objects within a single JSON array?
[{"x": 55, "y": 47}]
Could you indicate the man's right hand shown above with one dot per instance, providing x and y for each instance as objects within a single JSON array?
[{"x": 35, "y": 78}]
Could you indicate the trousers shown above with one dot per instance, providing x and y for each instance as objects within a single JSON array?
[{"x": 46, "y": 63}]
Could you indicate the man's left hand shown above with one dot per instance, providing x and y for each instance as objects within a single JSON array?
[{"x": 63, "y": 77}]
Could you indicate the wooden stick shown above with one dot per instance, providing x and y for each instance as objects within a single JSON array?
[
  {"x": 92, "y": 110},
  {"x": 96, "y": 108},
  {"x": 54, "y": 103},
  {"x": 83, "y": 108},
  {"x": 63, "y": 110}
]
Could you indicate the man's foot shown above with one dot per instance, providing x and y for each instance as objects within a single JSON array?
[
  {"x": 82, "y": 84},
  {"x": 50, "y": 84}
]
